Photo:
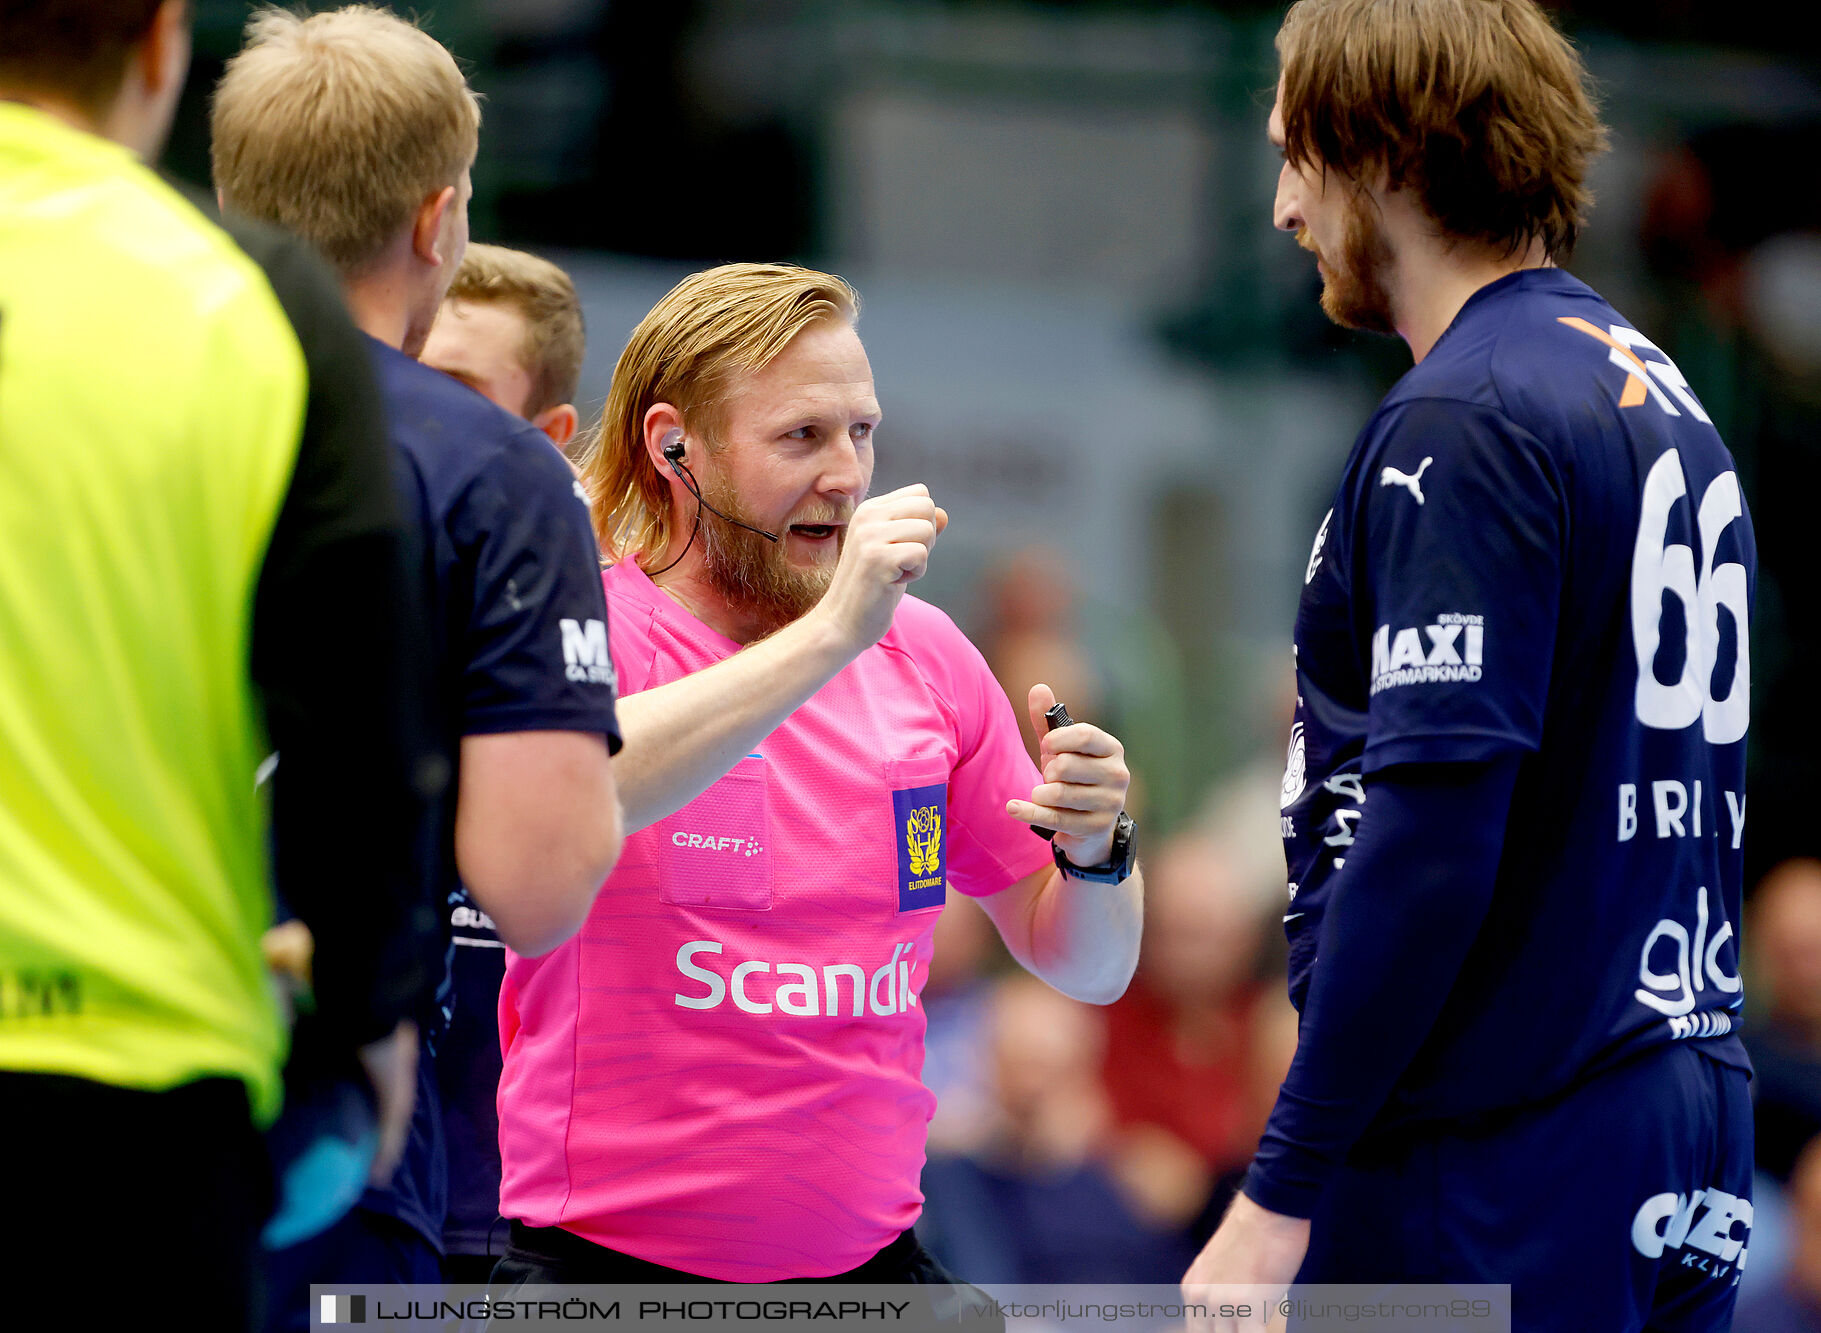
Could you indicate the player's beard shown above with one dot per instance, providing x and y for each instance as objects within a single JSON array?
[
  {"x": 1354, "y": 293},
  {"x": 753, "y": 575}
]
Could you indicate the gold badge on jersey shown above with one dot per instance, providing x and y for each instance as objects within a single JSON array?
[
  {"x": 923, "y": 839},
  {"x": 922, "y": 875}
]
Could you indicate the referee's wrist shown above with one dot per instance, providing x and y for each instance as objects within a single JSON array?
[{"x": 1117, "y": 862}]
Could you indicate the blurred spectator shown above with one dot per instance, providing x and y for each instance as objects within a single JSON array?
[
  {"x": 1784, "y": 1036},
  {"x": 1038, "y": 1201},
  {"x": 1737, "y": 295},
  {"x": 1031, "y": 636},
  {"x": 1180, "y": 1067},
  {"x": 956, "y": 1065},
  {"x": 1243, "y": 812},
  {"x": 1793, "y": 1303}
]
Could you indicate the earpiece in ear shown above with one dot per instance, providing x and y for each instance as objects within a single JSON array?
[{"x": 673, "y": 447}]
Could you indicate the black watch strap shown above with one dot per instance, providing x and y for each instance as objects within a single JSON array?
[{"x": 1118, "y": 866}]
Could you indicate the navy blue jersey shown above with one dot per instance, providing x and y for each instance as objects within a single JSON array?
[
  {"x": 1539, "y": 548},
  {"x": 521, "y": 637},
  {"x": 468, "y": 1076}
]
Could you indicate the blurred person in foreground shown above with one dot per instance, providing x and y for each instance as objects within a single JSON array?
[
  {"x": 511, "y": 329},
  {"x": 1040, "y": 1198},
  {"x": 1515, "y": 797},
  {"x": 1792, "y": 1303},
  {"x": 1784, "y": 1034},
  {"x": 717, "y": 1079},
  {"x": 1180, "y": 1043},
  {"x": 184, "y": 555},
  {"x": 356, "y": 131}
]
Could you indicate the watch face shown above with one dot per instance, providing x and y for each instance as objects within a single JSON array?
[
  {"x": 1121, "y": 858},
  {"x": 1125, "y": 841}
]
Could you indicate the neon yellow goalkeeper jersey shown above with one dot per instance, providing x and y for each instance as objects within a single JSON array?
[{"x": 152, "y": 396}]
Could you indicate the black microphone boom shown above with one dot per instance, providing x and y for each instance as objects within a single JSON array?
[
  {"x": 673, "y": 454},
  {"x": 768, "y": 536}
]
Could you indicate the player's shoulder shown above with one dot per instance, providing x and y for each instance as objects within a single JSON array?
[
  {"x": 1520, "y": 347},
  {"x": 148, "y": 245},
  {"x": 192, "y": 329},
  {"x": 456, "y": 435},
  {"x": 1510, "y": 372}
]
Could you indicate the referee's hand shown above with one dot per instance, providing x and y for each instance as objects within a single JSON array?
[
  {"x": 886, "y": 549},
  {"x": 1084, "y": 784}
]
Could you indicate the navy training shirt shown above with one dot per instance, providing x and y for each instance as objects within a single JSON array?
[
  {"x": 468, "y": 1066},
  {"x": 1539, "y": 548},
  {"x": 521, "y": 639}
]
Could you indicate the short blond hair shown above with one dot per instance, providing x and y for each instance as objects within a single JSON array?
[
  {"x": 1481, "y": 108},
  {"x": 555, "y": 338},
  {"x": 709, "y": 331},
  {"x": 338, "y": 126}
]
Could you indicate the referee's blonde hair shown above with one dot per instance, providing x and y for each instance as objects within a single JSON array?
[
  {"x": 338, "y": 126},
  {"x": 709, "y": 331}
]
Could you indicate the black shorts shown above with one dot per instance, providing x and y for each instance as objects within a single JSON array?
[
  {"x": 550, "y": 1255},
  {"x": 1623, "y": 1205}
]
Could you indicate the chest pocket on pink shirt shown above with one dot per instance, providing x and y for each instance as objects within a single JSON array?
[
  {"x": 712, "y": 852},
  {"x": 920, "y": 831}
]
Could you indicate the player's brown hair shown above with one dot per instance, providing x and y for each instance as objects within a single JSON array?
[
  {"x": 338, "y": 126},
  {"x": 711, "y": 329},
  {"x": 1481, "y": 107},
  {"x": 75, "y": 48},
  {"x": 555, "y": 339}
]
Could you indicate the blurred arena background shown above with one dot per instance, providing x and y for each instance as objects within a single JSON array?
[{"x": 1092, "y": 346}]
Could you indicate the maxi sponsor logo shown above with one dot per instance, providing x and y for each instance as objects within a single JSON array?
[
  {"x": 1452, "y": 649},
  {"x": 808, "y": 994}
]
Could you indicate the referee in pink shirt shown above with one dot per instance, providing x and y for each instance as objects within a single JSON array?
[{"x": 717, "y": 1078}]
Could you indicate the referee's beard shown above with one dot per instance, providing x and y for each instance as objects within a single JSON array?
[{"x": 755, "y": 576}]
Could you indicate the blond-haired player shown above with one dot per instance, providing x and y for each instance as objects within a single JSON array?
[
  {"x": 356, "y": 130},
  {"x": 511, "y": 329}
]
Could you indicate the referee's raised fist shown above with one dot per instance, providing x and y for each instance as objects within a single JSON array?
[{"x": 886, "y": 549}]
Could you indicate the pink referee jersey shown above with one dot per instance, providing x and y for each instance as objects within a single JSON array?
[{"x": 720, "y": 1072}]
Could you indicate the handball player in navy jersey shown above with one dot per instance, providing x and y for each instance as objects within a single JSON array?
[{"x": 1514, "y": 802}]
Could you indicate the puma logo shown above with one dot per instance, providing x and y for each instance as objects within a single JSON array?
[{"x": 1414, "y": 484}]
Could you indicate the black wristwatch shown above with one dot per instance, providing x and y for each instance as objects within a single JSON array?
[{"x": 1117, "y": 868}]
